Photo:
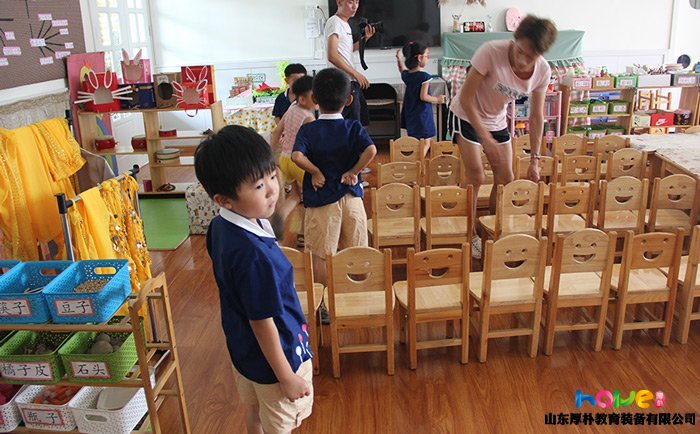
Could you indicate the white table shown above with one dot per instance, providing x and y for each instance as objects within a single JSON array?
[{"x": 678, "y": 153}]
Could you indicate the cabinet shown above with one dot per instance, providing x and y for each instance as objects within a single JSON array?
[
  {"x": 152, "y": 349},
  {"x": 519, "y": 111},
  {"x": 384, "y": 114},
  {"x": 618, "y": 121},
  {"x": 152, "y": 124},
  {"x": 689, "y": 100}
]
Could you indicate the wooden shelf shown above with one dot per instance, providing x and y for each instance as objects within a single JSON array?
[
  {"x": 180, "y": 187},
  {"x": 184, "y": 161},
  {"x": 120, "y": 152},
  {"x": 181, "y": 135},
  {"x": 151, "y": 110},
  {"x": 626, "y": 115}
]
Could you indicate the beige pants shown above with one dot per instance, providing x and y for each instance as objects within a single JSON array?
[{"x": 336, "y": 226}]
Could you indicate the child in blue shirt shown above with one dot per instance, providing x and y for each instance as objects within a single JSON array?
[
  {"x": 260, "y": 312},
  {"x": 332, "y": 151},
  {"x": 292, "y": 72},
  {"x": 417, "y": 110}
]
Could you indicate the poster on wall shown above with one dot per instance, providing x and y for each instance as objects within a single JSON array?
[{"x": 35, "y": 37}]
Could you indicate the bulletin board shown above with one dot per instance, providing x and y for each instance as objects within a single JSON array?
[{"x": 35, "y": 36}]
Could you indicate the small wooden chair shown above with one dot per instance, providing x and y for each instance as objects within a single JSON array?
[
  {"x": 626, "y": 162},
  {"x": 673, "y": 203},
  {"x": 406, "y": 149},
  {"x": 639, "y": 280},
  {"x": 569, "y": 208},
  {"x": 448, "y": 216},
  {"x": 505, "y": 287},
  {"x": 360, "y": 296},
  {"x": 444, "y": 147},
  {"x": 521, "y": 147},
  {"x": 622, "y": 205},
  {"x": 484, "y": 193},
  {"x": 579, "y": 278},
  {"x": 435, "y": 290},
  {"x": 607, "y": 145},
  {"x": 400, "y": 171},
  {"x": 519, "y": 210},
  {"x": 568, "y": 144},
  {"x": 310, "y": 295},
  {"x": 580, "y": 169},
  {"x": 548, "y": 168},
  {"x": 395, "y": 218},
  {"x": 443, "y": 170},
  {"x": 689, "y": 286}
]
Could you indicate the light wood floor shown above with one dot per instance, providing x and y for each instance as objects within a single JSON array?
[{"x": 510, "y": 393}]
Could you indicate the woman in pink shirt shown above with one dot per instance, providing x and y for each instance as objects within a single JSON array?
[{"x": 502, "y": 71}]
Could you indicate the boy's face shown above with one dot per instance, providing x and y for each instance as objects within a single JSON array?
[
  {"x": 306, "y": 101},
  {"x": 256, "y": 198},
  {"x": 291, "y": 78}
]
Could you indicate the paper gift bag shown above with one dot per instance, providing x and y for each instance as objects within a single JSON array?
[
  {"x": 142, "y": 96},
  {"x": 191, "y": 92},
  {"x": 101, "y": 92},
  {"x": 163, "y": 88},
  {"x": 136, "y": 70},
  {"x": 197, "y": 71}
]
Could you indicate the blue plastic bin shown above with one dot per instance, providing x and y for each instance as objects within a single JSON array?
[{"x": 6, "y": 265}]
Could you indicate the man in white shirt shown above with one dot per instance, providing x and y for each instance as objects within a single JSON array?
[{"x": 339, "y": 46}]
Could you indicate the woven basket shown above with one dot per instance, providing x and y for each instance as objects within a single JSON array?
[
  {"x": 19, "y": 368},
  {"x": 44, "y": 416},
  {"x": 92, "y": 420},
  {"x": 83, "y": 367},
  {"x": 68, "y": 306},
  {"x": 6, "y": 265},
  {"x": 9, "y": 413}
]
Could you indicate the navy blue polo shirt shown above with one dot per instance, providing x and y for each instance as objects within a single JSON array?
[
  {"x": 256, "y": 282},
  {"x": 334, "y": 145},
  {"x": 282, "y": 104},
  {"x": 416, "y": 115}
]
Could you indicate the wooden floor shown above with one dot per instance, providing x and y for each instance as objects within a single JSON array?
[{"x": 510, "y": 393}]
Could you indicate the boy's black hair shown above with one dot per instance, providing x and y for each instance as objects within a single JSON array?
[
  {"x": 331, "y": 89},
  {"x": 302, "y": 85},
  {"x": 232, "y": 156},
  {"x": 294, "y": 68},
  {"x": 411, "y": 51}
]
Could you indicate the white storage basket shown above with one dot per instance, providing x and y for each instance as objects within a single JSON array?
[
  {"x": 94, "y": 421},
  {"x": 9, "y": 414},
  {"x": 44, "y": 416}
]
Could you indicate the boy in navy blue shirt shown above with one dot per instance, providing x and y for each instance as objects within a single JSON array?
[
  {"x": 333, "y": 151},
  {"x": 260, "y": 312},
  {"x": 292, "y": 72}
]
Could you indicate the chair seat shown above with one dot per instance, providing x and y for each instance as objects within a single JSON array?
[
  {"x": 641, "y": 280},
  {"x": 393, "y": 228},
  {"x": 574, "y": 284},
  {"x": 671, "y": 219},
  {"x": 506, "y": 291},
  {"x": 484, "y": 192},
  {"x": 318, "y": 297},
  {"x": 566, "y": 223},
  {"x": 431, "y": 298},
  {"x": 682, "y": 269},
  {"x": 512, "y": 224},
  {"x": 621, "y": 219},
  {"x": 447, "y": 226},
  {"x": 360, "y": 304}
]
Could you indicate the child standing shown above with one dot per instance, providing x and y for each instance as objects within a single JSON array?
[
  {"x": 417, "y": 111},
  {"x": 292, "y": 72},
  {"x": 260, "y": 312},
  {"x": 332, "y": 151},
  {"x": 282, "y": 142}
]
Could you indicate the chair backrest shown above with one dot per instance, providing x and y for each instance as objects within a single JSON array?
[
  {"x": 380, "y": 91},
  {"x": 580, "y": 168},
  {"x": 624, "y": 193},
  {"x": 443, "y": 170},
  {"x": 608, "y": 144},
  {"x": 395, "y": 201},
  {"x": 653, "y": 250},
  {"x": 521, "y": 146},
  {"x": 693, "y": 259},
  {"x": 570, "y": 199},
  {"x": 406, "y": 149},
  {"x": 586, "y": 250},
  {"x": 401, "y": 171},
  {"x": 437, "y": 267},
  {"x": 568, "y": 144},
  {"x": 359, "y": 269},
  {"x": 303, "y": 274},
  {"x": 520, "y": 197},
  {"x": 548, "y": 167},
  {"x": 444, "y": 147},
  {"x": 448, "y": 201},
  {"x": 626, "y": 162},
  {"x": 514, "y": 256},
  {"x": 674, "y": 192}
]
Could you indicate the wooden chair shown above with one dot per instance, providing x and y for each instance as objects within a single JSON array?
[
  {"x": 310, "y": 295},
  {"x": 395, "y": 217},
  {"x": 403, "y": 172},
  {"x": 626, "y": 162},
  {"x": 569, "y": 208},
  {"x": 568, "y": 144},
  {"x": 505, "y": 287},
  {"x": 579, "y": 278},
  {"x": 689, "y": 287},
  {"x": 435, "y": 290},
  {"x": 607, "y": 145},
  {"x": 443, "y": 170},
  {"x": 639, "y": 280},
  {"x": 406, "y": 149},
  {"x": 548, "y": 168},
  {"x": 693, "y": 130},
  {"x": 519, "y": 210},
  {"x": 484, "y": 193},
  {"x": 444, "y": 147},
  {"x": 622, "y": 205},
  {"x": 521, "y": 147},
  {"x": 580, "y": 169},
  {"x": 448, "y": 216},
  {"x": 360, "y": 296},
  {"x": 673, "y": 203}
]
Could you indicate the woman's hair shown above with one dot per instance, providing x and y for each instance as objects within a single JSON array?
[
  {"x": 411, "y": 51},
  {"x": 541, "y": 33}
]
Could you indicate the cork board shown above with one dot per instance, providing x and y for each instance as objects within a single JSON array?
[{"x": 35, "y": 36}]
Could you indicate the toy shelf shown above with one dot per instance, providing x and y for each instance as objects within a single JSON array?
[{"x": 569, "y": 95}]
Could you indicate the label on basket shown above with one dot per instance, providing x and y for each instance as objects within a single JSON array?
[
  {"x": 74, "y": 307},
  {"x": 36, "y": 371},
  {"x": 15, "y": 307},
  {"x": 90, "y": 369},
  {"x": 42, "y": 417}
]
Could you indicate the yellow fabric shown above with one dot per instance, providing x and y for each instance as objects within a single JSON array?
[
  {"x": 15, "y": 221},
  {"x": 97, "y": 218},
  {"x": 61, "y": 152},
  {"x": 83, "y": 246}
]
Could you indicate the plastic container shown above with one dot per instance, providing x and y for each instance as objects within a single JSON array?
[
  {"x": 597, "y": 131},
  {"x": 625, "y": 81},
  {"x": 68, "y": 306},
  {"x": 615, "y": 131},
  {"x": 92, "y": 420},
  {"x": 6, "y": 265},
  {"x": 20, "y": 368},
  {"x": 580, "y": 131},
  {"x": 606, "y": 82},
  {"x": 10, "y": 416},
  {"x": 44, "y": 416},
  {"x": 618, "y": 107},
  {"x": 597, "y": 107},
  {"x": 578, "y": 108}
]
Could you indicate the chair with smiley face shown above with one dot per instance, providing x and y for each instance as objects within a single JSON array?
[
  {"x": 519, "y": 210},
  {"x": 622, "y": 205},
  {"x": 506, "y": 287},
  {"x": 689, "y": 287},
  {"x": 626, "y": 162},
  {"x": 579, "y": 279},
  {"x": 395, "y": 218},
  {"x": 673, "y": 204}
]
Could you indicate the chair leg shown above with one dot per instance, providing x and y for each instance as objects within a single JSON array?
[
  {"x": 535, "y": 336},
  {"x": 412, "y": 343},
  {"x": 619, "y": 325},
  {"x": 668, "y": 319},
  {"x": 684, "y": 313},
  {"x": 600, "y": 331},
  {"x": 313, "y": 340},
  {"x": 464, "y": 335},
  {"x": 335, "y": 351},
  {"x": 390, "y": 344},
  {"x": 402, "y": 325},
  {"x": 483, "y": 335},
  {"x": 550, "y": 326}
]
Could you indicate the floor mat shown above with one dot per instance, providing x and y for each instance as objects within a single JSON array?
[{"x": 165, "y": 222}]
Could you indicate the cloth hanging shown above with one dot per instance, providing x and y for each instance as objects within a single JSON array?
[
  {"x": 60, "y": 150},
  {"x": 95, "y": 170},
  {"x": 96, "y": 220}
]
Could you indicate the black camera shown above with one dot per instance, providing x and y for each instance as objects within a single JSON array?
[{"x": 378, "y": 25}]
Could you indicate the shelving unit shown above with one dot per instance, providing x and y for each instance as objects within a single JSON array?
[
  {"x": 552, "y": 118},
  {"x": 150, "y": 352},
  {"x": 568, "y": 94},
  {"x": 151, "y": 121},
  {"x": 689, "y": 100}
]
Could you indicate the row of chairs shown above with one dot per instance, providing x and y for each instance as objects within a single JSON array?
[{"x": 516, "y": 281}]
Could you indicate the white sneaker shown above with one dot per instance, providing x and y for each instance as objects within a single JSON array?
[
  {"x": 365, "y": 184},
  {"x": 366, "y": 170},
  {"x": 476, "y": 247}
]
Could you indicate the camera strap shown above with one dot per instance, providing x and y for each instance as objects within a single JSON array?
[{"x": 363, "y": 41}]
